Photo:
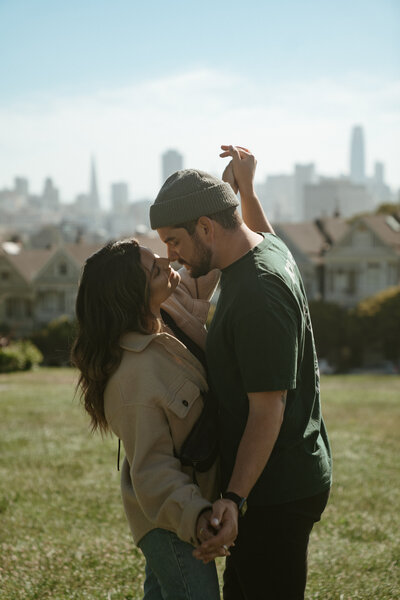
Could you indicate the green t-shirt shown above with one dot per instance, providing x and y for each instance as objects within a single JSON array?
[{"x": 261, "y": 339}]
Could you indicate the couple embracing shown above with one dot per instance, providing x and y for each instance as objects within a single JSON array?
[{"x": 147, "y": 362}]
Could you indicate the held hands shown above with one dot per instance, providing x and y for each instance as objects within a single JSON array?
[
  {"x": 240, "y": 172},
  {"x": 217, "y": 530}
]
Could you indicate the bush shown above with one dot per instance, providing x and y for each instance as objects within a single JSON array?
[
  {"x": 379, "y": 316},
  {"x": 19, "y": 356},
  {"x": 349, "y": 338},
  {"x": 55, "y": 341}
]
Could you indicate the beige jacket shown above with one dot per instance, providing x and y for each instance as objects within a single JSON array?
[{"x": 151, "y": 403}]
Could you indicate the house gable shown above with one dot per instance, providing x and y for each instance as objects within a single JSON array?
[
  {"x": 60, "y": 269},
  {"x": 360, "y": 240},
  {"x": 11, "y": 278}
]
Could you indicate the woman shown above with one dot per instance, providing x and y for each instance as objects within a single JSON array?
[{"x": 145, "y": 386}]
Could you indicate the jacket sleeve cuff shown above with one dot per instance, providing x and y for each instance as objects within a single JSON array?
[{"x": 190, "y": 513}]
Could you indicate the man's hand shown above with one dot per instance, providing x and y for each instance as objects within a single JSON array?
[
  {"x": 243, "y": 168},
  {"x": 224, "y": 520}
]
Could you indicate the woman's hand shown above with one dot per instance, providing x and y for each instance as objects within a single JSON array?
[
  {"x": 229, "y": 177},
  {"x": 243, "y": 166},
  {"x": 219, "y": 533},
  {"x": 205, "y": 531}
]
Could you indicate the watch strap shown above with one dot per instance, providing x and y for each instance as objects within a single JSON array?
[{"x": 240, "y": 502}]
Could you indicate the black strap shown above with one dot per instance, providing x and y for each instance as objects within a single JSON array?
[{"x": 184, "y": 338}]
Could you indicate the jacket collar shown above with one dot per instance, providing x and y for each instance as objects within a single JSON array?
[{"x": 137, "y": 342}]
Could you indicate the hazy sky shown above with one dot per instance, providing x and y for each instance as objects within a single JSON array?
[{"x": 126, "y": 80}]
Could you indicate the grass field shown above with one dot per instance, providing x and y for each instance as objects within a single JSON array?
[{"x": 63, "y": 534}]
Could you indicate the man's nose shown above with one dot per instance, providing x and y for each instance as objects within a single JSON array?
[
  {"x": 172, "y": 255},
  {"x": 164, "y": 263}
]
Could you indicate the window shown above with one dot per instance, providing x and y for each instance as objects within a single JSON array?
[
  {"x": 373, "y": 276},
  {"x": 14, "y": 308},
  {"x": 351, "y": 282},
  {"x": 340, "y": 281},
  {"x": 63, "y": 268}
]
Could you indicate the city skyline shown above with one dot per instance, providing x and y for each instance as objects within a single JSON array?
[
  {"x": 128, "y": 81},
  {"x": 172, "y": 160}
]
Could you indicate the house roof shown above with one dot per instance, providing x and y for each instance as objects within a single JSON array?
[
  {"x": 81, "y": 252},
  {"x": 29, "y": 262},
  {"x": 334, "y": 227},
  {"x": 305, "y": 236},
  {"x": 387, "y": 228}
]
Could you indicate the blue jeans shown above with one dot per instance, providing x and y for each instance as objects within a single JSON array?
[{"x": 172, "y": 573}]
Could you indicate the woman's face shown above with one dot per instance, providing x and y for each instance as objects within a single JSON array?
[{"x": 161, "y": 277}]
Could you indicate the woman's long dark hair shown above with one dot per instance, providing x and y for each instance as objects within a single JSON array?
[{"x": 113, "y": 297}]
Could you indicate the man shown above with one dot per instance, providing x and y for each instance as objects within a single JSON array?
[{"x": 263, "y": 370}]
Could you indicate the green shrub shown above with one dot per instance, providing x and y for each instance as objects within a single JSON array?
[
  {"x": 55, "y": 340},
  {"x": 19, "y": 356}
]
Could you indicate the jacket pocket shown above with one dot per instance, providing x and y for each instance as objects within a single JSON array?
[{"x": 184, "y": 399}]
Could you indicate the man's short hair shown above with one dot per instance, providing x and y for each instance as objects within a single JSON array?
[{"x": 228, "y": 219}]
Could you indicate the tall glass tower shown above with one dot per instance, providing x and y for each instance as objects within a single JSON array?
[
  {"x": 357, "y": 155},
  {"x": 94, "y": 200}
]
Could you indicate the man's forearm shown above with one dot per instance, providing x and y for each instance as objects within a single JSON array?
[{"x": 258, "y": 439}]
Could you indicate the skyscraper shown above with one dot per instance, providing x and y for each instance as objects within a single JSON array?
[
  {"x": 172, "y": 161},
  {"x": 357, "y": 155},
  {"x": 93, "y": 198}
]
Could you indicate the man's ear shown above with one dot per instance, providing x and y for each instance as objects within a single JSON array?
[{"x": 205, "y": 228}]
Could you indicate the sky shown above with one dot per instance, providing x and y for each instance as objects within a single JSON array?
[{"x": 124, "y": 81}]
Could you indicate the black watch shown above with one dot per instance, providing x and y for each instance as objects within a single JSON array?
[{"x": 240, "y": 502}]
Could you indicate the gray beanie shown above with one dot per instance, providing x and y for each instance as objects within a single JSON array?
[{"x": 187, "y": 195}]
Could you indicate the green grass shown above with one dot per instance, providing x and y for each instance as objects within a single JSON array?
[{"x": 63, "y": 534}]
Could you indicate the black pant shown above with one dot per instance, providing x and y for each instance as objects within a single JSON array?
[{"x": 269, "y": 559}]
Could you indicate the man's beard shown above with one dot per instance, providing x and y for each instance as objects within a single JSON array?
[{"x": 201, "y": 263}]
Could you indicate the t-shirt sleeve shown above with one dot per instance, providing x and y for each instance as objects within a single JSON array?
[{"x": 266, "y": 346}]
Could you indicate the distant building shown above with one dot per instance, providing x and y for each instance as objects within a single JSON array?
[
  {"x": 50, "y": 198},
  {"x": 364, "y": 261},
  {"x": 308, "y": 242},
  {"x": 335, "y": 197},
  {"x": 119, "y": 196},
  {"x": 380, "y": 192},
  {"x": 140, "y": 212},
  {"x": 93, "y": 198},
  {"x": 277, "y": 197},
  {"x": 21, "y": 186},
  {"x": 172, "y": 161},
  {"x": 303, "y": 174},
  {"x": 357, "y": 155},
  {"x": 39, "y": 285}
]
